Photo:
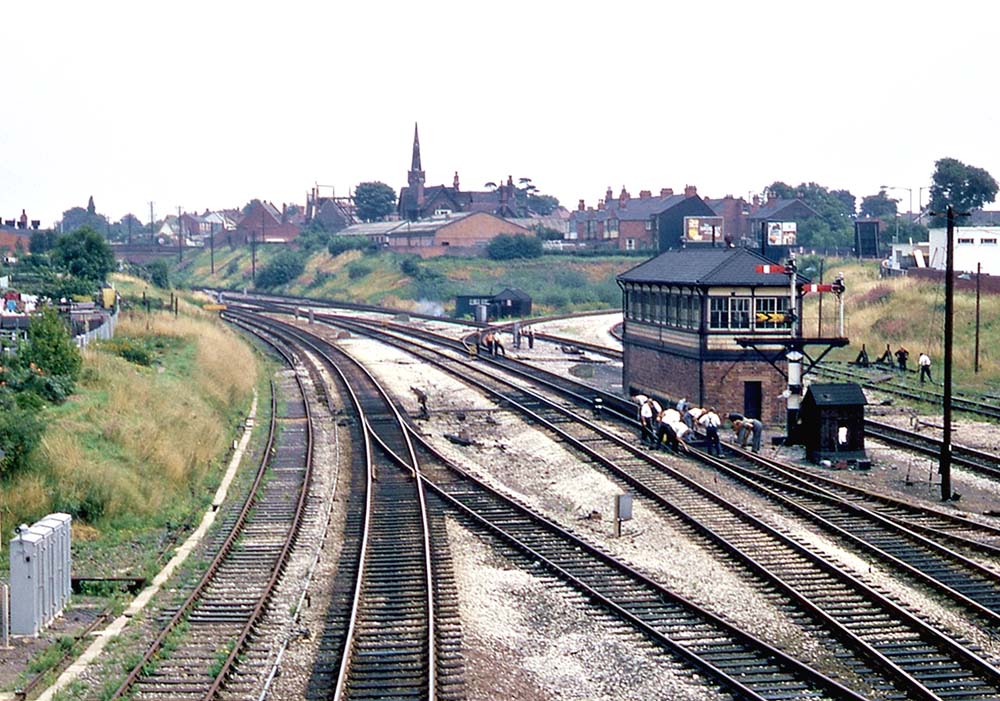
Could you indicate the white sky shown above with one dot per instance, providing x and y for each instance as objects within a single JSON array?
[{"x": 210, "y": 104}]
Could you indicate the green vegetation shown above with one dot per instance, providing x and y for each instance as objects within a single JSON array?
[
  {"x": 133, "y": 453},
  {"x": 84, "y": 254},
  {"x": 909, "y": 312},
  {"x": 509, "y": 247},
  {"x": 374, "y": 201},
  {"x": 284, "y": 267},
  {"x": 556, "y": 282},
  {"x": 43, "y": 370}
]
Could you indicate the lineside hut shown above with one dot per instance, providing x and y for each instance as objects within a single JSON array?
[
  {"x": 833, "y": 422},
  {"x": 683, "y": 313}
]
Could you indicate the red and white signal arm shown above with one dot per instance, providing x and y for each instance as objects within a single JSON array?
[
  {"x": 817, "y": 288},
  {"x": 771, "y": 269}
]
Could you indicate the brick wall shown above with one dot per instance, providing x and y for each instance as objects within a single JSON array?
[{"x": 673, "y": 377}]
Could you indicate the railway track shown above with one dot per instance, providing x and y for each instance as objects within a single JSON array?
[
  {"x": 385, "y": 641},
  {"x": 976, "y": 461},
  {"x": 887, "y": 381},
  {"x": 866, "y": 635},
  {"x": 746, "y": 666},
  {"x": 196, "y": 651}
]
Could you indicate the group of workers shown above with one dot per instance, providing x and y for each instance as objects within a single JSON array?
[
  {"x": 902, "y": 356},
  {"x": 492, "y": 344},
  {"x": 675, "y": 426}
]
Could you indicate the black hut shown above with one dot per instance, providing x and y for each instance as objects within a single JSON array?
[{"x": 832, "y": 420}]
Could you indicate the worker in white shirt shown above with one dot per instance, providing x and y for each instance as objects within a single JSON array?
[
  {"x": 646, "y": 417},
  {"x": 711, "y": 422}
]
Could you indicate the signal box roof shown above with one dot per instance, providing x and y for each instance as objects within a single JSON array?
[{"x": 708, "y": 267}]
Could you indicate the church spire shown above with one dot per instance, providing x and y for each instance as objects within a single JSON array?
[
  {"x": 415, "y": 164},
  {"x": 415, "y": 179}
]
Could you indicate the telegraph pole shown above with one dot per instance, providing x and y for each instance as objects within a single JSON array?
[
  {"x": 180, "y": 235},
  {"x": 944, "y": 467},
  {"x": 152, "y": 224},
  {"x": 979, "y": 270}
]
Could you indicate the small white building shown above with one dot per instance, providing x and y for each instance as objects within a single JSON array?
[{"x": 973, "y": 245}]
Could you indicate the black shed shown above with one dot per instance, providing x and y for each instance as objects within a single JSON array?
[
  {"x": 832, "y": 420},
  {"x": 512, "y": 302}
]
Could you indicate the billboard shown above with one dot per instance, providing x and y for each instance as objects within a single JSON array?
[
  {"x": 705, "y": 229},
  {"x": 781, "y": 233}
]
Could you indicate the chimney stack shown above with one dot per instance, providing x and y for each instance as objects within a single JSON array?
[
  {"x": 580, "y": 207},
  {"x": 623, "y": 198},
  {"x": 666, "y": 192},
  {"x": 645, "y": 194},
  {"x": 690, "y": 191}
]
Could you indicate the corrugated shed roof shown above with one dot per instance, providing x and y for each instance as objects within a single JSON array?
[
  {"x": 837, "y": 394},
  {"x": 706, "y": 266}
]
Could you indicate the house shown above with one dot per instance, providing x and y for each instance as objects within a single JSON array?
[
  {"x": 263, "y": 223},
  {"x": 644, "y": 222},
  {"x": 734, "y": 213},
  {"x": 334, "y": 213},
  {"x": 776, "y": 211},
  {"x": 14, "y": 241},
  {"x": 421, "y": 201}
]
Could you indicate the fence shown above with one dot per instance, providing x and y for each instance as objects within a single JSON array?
[{"x": 105, "y": 331}]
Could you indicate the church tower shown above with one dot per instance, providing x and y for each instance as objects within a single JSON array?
[{"x": 415, "y": 178}]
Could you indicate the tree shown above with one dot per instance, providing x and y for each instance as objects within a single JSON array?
[
  {"x": 42, "y": 241},
  {"x": 49, "y": 349},
  {"x": 835, "y": 208},
  {"x": 963, "y": 187},
  {"x": 159, "y": 273},
  {"x": 84, "y": 254},
  {"x": 77, "y": 218},
  {"x": 374, "y": 201},
  {"x": 879, "y": 206},
  {"x": 508, "y": 247}
]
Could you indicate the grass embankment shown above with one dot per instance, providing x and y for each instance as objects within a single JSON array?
[
  {"x": 908, "y": 312},
  {"x": 556, "y": 283},
  {"x": 134, "y": 452}
]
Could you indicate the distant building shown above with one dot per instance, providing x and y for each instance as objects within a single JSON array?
[
  {"x": 466, "y": 233},
  {"x": 264, "y": 223},
  {"x": 639, "y": 223},
  {"x": 421, "y": 201},
  {"x": 334, "y": 213},
  {"x": 973, "y": 245}
]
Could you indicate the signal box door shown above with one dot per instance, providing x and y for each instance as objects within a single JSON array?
[{"x": 753, "y": 397}]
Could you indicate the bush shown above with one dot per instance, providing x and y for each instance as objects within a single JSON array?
[
  {"x": 159, "y": 274},
  {"x": 358, "y": 270},
  {"x": 131, "y": 349},
  {"x": 509, "y": 247},
  {"x": 282, "y": 269},
  {"x": 49, "y": 348},
  {"x": 20, "y": 431},
  {"x": 340, "y": 244}
]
